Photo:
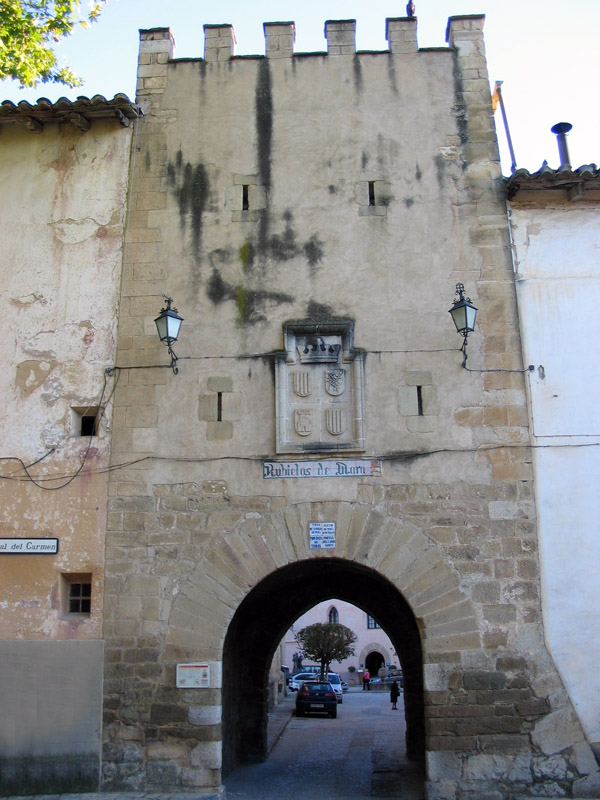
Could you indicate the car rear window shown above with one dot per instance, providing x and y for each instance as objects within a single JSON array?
[{"x": 316, "y": 687}]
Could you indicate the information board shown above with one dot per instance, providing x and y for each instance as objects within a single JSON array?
[
  {"x": 193, "y": 676},
  {"x": 322, "y": 535}
]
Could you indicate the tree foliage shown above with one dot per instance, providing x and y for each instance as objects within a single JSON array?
[
  {"x": 325, "y": 642},
  {"x": 29, "y": 29}
]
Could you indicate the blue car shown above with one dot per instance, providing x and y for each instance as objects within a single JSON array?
[{"x": 316, "y": 698}]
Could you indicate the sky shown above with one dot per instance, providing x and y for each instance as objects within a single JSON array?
[{"x": 545, "y": 52}]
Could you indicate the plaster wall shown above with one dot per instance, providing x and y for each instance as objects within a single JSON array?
[
  {"x": 61, "y": 243},
  {"x": 558, "y": 291}
]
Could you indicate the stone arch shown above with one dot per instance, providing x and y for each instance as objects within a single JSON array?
[
  {"x": 239, "y": 557},
  {"x": 373, "y": 647},
  {"x": 252, "y": 559}
]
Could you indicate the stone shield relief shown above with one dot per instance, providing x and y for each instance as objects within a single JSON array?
[{"x": 320, "y": 390}]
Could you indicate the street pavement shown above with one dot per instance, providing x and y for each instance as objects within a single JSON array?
[{"x": 358, "y": 755}]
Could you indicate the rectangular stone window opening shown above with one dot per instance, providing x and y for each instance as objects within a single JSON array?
[
  {"x": 85, "y": 421},
  {"x": 76, "y": 591},
  {"x": 419, "y": 402},
  {"x": 219, "y": 406},
  {"x": 245, "y": 200},
  {"x": 372, "y": 193},
  {"x": 373, "y": 197}
]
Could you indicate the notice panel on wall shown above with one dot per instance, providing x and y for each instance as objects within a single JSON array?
[
  {"x": 322, "y": 535},
  {"x": 193, "y": 676},
  {"x": 32, "y": 547}
]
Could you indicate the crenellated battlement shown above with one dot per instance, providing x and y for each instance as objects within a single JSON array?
[
  {"x": 157, "y": 46},
  {"x": 220, "y": 41}
]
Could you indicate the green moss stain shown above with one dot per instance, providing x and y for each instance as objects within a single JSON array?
[
  {"x": 250, "y": 303},
  {"x": 247, "y": 256},
  {"x": 241, "y": 300}
]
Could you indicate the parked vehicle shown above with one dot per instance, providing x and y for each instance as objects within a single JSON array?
[
  {"x": 296, "y": 680},
  {"x": 395, "y": 675},
  {"x": 334, "y": 680},
  {"x": 333, "y": 677},
  {"x": 344, "y": 686},
  {"x": 315, "y": 697}
]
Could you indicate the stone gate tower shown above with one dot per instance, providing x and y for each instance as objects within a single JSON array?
[{"x": 311, "y": 215}]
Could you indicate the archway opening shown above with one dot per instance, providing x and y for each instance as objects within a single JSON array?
[
  {"x": 373, "y": 662},
  {"x": 260, "y": 623}
]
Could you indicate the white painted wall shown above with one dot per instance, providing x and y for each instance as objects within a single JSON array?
[{"x": 558, "y": 290}]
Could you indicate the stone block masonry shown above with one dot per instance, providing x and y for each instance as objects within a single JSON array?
[{"x": 205, "y": 559}]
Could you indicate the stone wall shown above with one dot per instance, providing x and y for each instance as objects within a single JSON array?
[{"x": 344, "y": 193}]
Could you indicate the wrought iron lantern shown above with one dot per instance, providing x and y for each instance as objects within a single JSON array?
[
  {"x": 168, "y": 324},
  {"x": 463, "y": 314}
]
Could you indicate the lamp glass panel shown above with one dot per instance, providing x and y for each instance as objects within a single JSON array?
[
  {"x": 173, "y": 326},
  {"x": 459, "y": 317},
  {"x": 471, "y": 313},
  {"x": 161, "y": 326}
]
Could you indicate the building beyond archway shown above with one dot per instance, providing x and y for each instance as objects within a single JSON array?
[
  {"x": 373, "y": 662},
  {"x": 268, "y": 611}
]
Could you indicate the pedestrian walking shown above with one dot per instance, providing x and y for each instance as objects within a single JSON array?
[
  {"x": 366, "y": 680},
  {"x": 394, "y": 694}
]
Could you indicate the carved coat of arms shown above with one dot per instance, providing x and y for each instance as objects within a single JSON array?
[
  {"x": 303, "y": 422},
  {"x": 335, "y": 420},
  {"x": 302, "y": 383},
  {"x": 335, "y": 381}
]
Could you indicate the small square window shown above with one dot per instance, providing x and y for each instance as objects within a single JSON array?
[
  {"x": 77, "y": 594},
  {"x": 85, "y": 421}
]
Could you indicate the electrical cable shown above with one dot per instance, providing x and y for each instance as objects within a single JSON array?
[
  {"x": 389, "y": 457},
  {"x": 39, "y": 481}
]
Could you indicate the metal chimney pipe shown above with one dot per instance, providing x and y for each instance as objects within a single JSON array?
[{"x": 561, "y": 129}]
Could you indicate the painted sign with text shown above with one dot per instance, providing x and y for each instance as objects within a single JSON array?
[
  {"x": 321, "y": 535},
  {"x": 321, "y": 469},
  {"x": 32, "y": 547},
  {"x": 193, "y": 676}
]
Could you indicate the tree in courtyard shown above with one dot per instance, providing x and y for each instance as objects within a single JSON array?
[
  {"x": 29, "y": 29},
  {"x": 325, "y": 642}
]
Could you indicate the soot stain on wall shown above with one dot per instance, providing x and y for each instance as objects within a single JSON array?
[
  {"x": 264, "y": 122},
  {"x": 249, "y": 302},
  {"x": 190, "y": 186},
  {"x": 280, "y": 246}
]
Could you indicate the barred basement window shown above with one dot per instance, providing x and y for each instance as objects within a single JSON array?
[
  {"x": 77, "y": 593},
  {"x": 371, "y": 623}
]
